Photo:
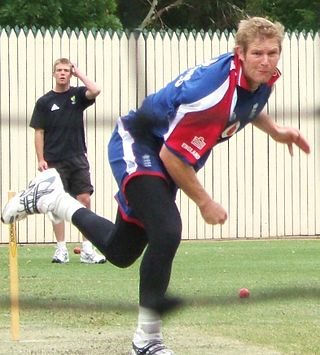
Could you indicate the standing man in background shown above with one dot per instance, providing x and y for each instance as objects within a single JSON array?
[{"x": 60, "y": 143}]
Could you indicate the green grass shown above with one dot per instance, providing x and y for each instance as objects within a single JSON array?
[
  {"x": 283, "y": 278},
  {"x": 282, "y": 312}
]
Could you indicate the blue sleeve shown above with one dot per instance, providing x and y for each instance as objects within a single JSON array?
[{"x": 188, "y": 87}]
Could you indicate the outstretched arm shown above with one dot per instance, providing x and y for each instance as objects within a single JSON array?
[
  {"x": 185, "y": 177},
  {"x": 286, "y": 135},
  {"x": 92, "y": 88}
]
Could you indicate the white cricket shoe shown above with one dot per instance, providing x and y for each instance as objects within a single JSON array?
[
  {"x": 61, "y": 256},
  {"x": 92, "y": 257},
  {"x": 45, "y": 194},
  {"x": 155, "y": 347},
  {"x": 46, "y": 186}
]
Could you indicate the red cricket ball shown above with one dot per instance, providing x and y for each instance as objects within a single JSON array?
[
  {"x": 244, "y": 293},
  {"x": 77, "y": 250}
]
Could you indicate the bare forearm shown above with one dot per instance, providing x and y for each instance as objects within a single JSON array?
[
  {"x": 93, "y": 89},
  {"x": 185, "y": 178},
  {"x": 265, "y": 123},
  {"x": 286, "y": 135}
]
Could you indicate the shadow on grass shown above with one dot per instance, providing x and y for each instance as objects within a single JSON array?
[
  {"x": 261, "y": 296},
  {"x": 30, "y": 302}
]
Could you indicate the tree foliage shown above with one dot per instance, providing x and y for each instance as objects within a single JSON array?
[
  {"x": 293, "y": 14},
  {"x": 218, "y": 14},
  {"x": 157, "y": 14},
  {"x": 59, "y": 13}
]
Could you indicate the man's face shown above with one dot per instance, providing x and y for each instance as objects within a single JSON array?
[
  {"x": 260, "y": 60},
  {"x": 62, "y": 74}
]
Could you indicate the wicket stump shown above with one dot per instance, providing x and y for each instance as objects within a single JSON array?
[{"x": 13, "y": 266}]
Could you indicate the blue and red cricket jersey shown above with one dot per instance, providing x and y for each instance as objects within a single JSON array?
[{"x": 203, "y": 106}]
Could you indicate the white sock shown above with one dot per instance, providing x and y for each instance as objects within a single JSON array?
[
  {"x": 61, "y": 245},
  {"x": 66, "y": 206},
  {"x": 87, "y": 246},
  {"x": 149, "y": 327},
  {"x": 61, "y": 205}
]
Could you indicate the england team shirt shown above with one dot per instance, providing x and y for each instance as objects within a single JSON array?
[{"x": 204, "y": 106}]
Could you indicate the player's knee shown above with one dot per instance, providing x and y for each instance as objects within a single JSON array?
[
  {"x": 168, "y": 238},
  {"x": 121, "y": 262},
  {"x": 173, "y": 239},
  {"x": 123, "y": 259}
]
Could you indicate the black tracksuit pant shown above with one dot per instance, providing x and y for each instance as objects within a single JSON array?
[{"x": 122, "y": 242}]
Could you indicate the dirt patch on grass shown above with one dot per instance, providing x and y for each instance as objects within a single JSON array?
[{"x": 115, "y": 341}]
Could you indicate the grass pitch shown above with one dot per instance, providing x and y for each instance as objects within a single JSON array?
[{"x": 82, "y": 309}]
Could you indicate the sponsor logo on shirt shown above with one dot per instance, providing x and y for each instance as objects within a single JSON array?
[
  {"x": 73, "y": 100},
  {"x": 231, "y": 130},
  {"x": 55, "y": 107},
  {"x": 190, "y": 150},
  {"x": 146, "y": 161},
  {"x": 198, "y": 142}
]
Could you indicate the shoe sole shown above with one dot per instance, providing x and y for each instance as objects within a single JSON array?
[
  {"x": 95, "y": 262},
  {"x": 50, "y": 174},
  {"x": 147, "y": 351},
  {"x": 15, "y": 217},
  {"x": 59, "y": 262}
]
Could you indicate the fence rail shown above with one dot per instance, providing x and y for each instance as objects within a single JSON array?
[{"x": 266, "y": 192}]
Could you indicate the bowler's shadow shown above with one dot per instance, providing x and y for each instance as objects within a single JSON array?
[{"x": 56, "y": 303}]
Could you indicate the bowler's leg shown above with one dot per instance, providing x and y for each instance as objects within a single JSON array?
[
  {"x": 154, "y": 204},
  {"x": 121, "y": 243}
]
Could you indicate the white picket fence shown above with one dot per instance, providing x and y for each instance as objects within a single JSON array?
[{"x": 266, "y": 192}]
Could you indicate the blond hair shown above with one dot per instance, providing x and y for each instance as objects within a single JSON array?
[
  {"x": 61, "y": 61},
  {"x": 254, "y": 27}
]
